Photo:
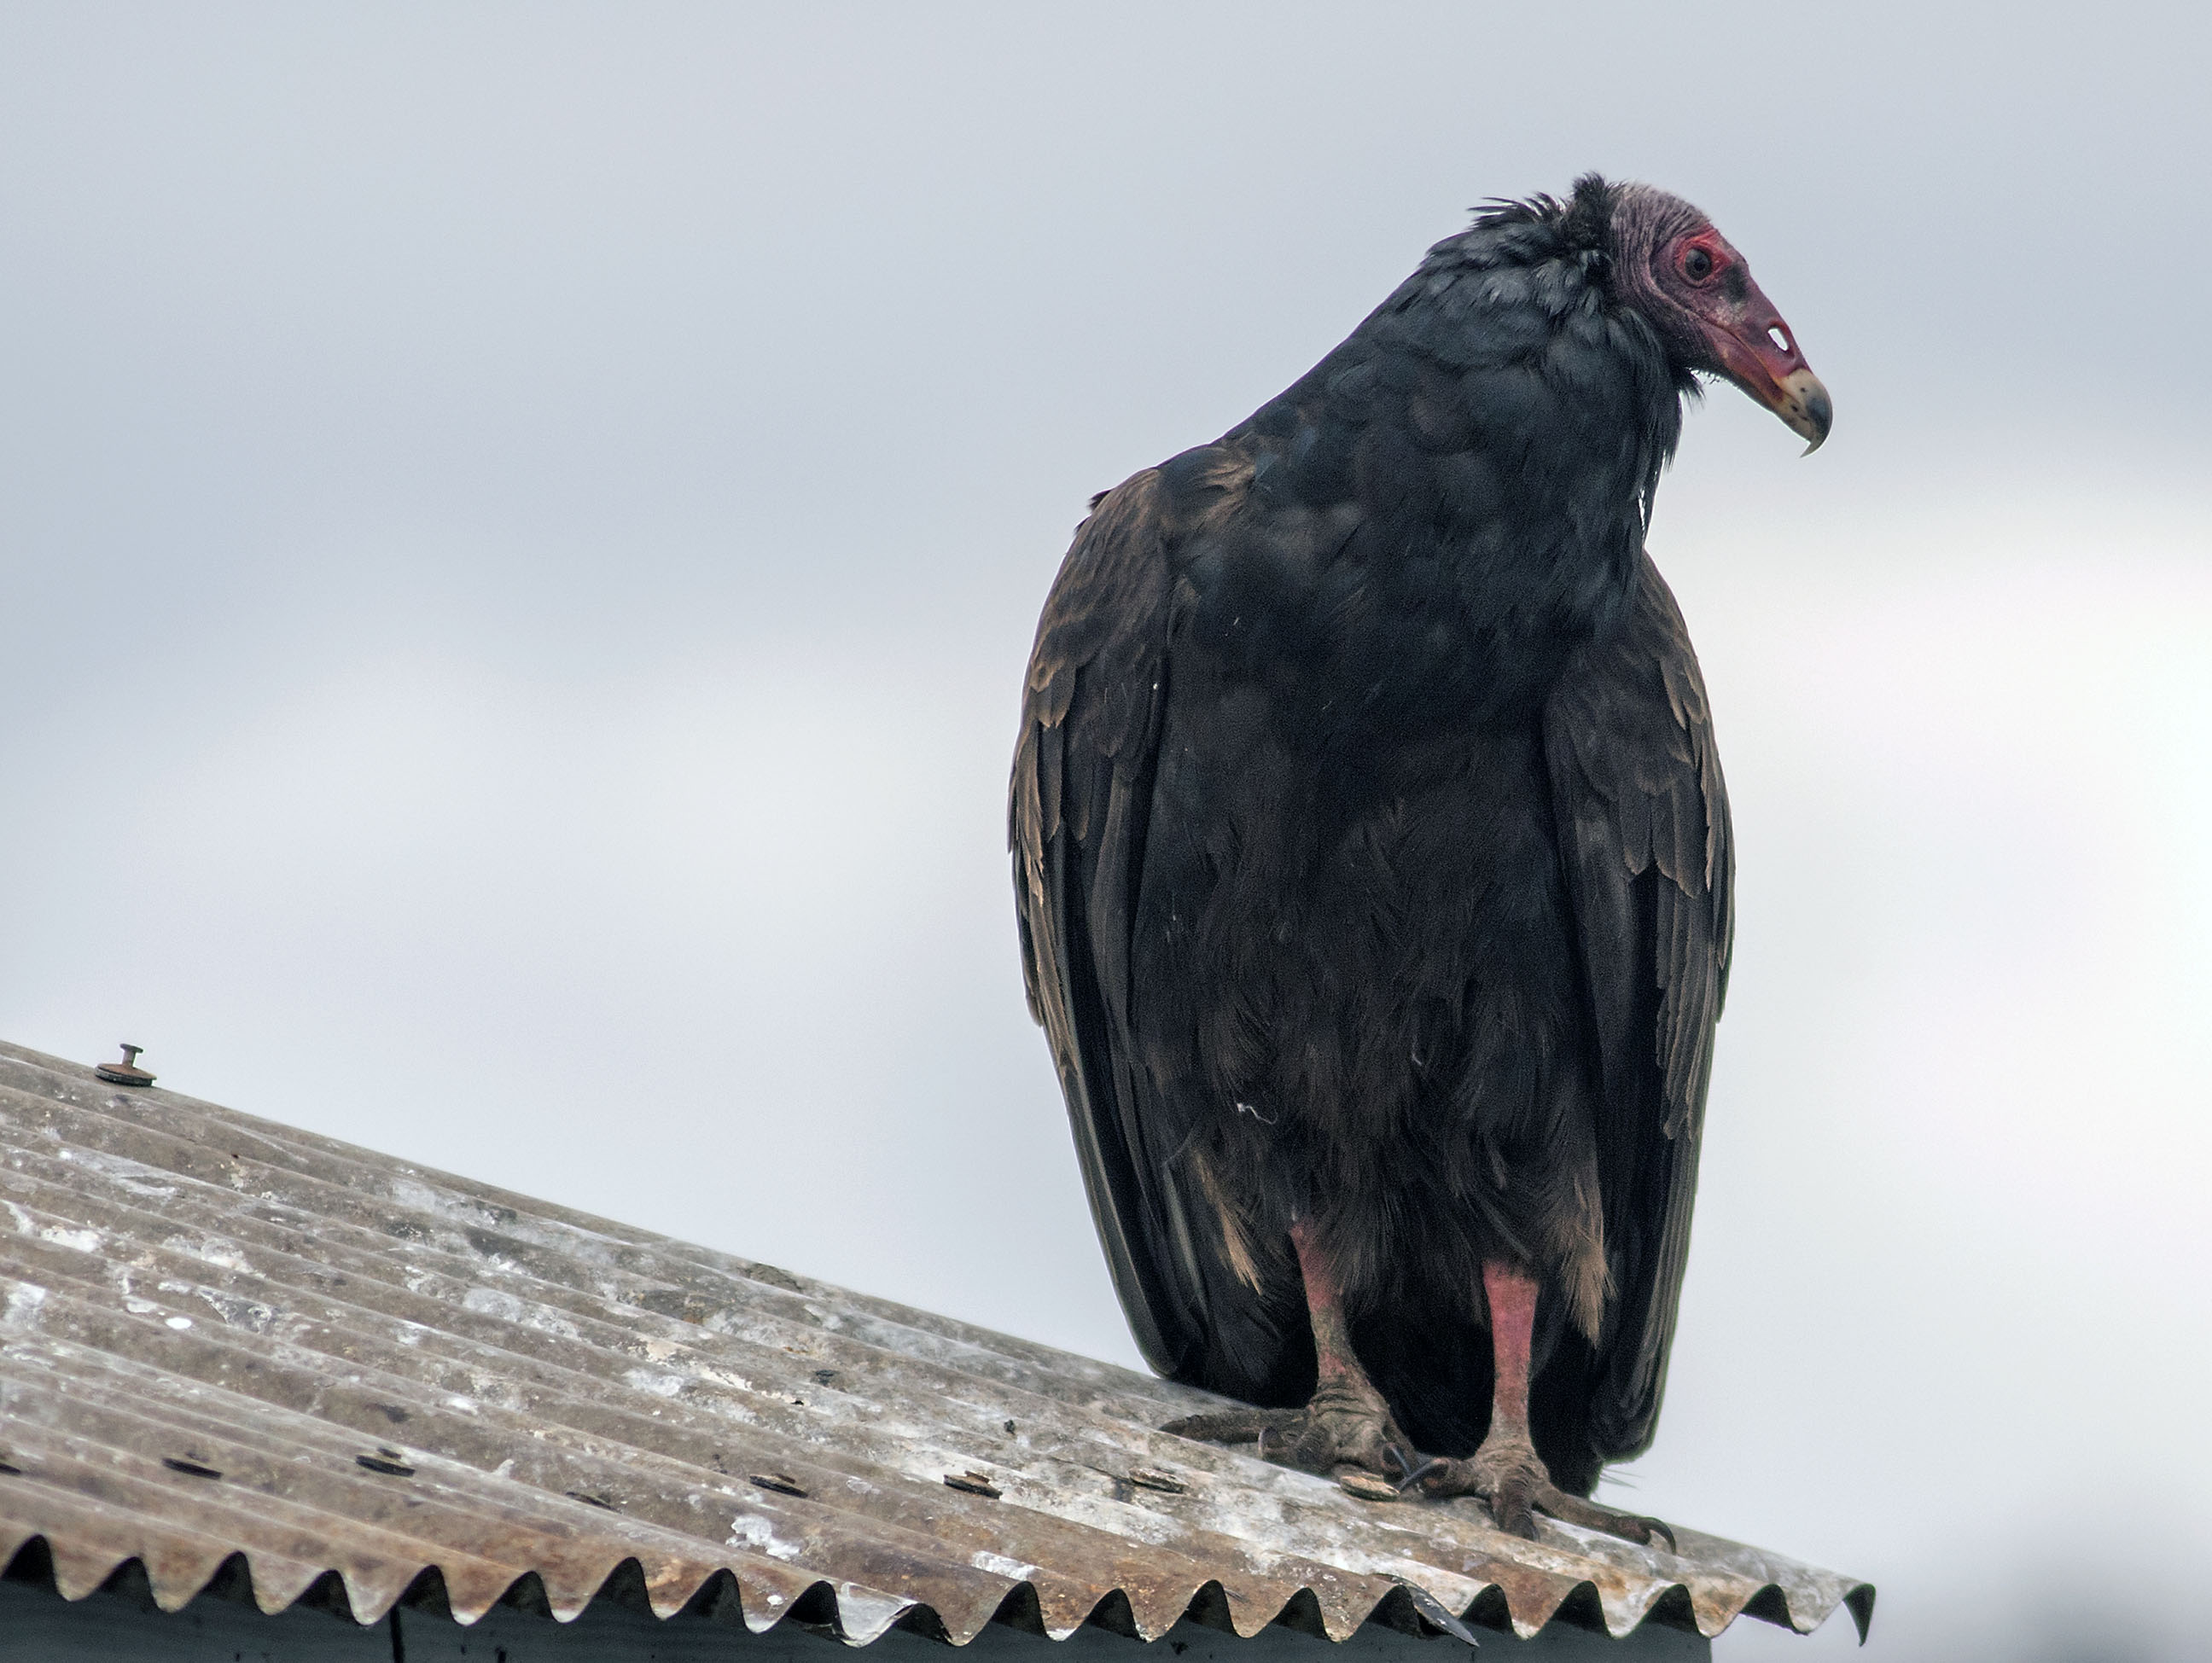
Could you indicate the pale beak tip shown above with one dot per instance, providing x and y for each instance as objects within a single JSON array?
[{"x": 1805, "y": 406}]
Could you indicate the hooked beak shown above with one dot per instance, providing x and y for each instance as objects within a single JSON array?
[{"x": 1757, "y": 352}]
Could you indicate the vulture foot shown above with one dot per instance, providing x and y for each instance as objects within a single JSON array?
[
  {"x": 1508, "y": 1474},
  {"x": 1345, "y": 1432}
]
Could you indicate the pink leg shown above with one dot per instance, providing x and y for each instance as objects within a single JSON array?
[
  {"x": 1506, "y": 1472},
  {"x": 1338, "y": 1367},
  {"x": 1346, "y": 1429},
  {"x": 1512, "y": 1299}
]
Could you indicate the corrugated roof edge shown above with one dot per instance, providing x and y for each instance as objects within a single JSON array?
[
  {"x": 76, "y": 1569},
  {"x": 76, "y": 1574}
]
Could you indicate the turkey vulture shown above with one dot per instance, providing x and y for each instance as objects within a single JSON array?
[{"x": 1373, "y": 866}]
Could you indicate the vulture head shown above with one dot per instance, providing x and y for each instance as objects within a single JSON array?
[{"x": 1674, "y": 266}]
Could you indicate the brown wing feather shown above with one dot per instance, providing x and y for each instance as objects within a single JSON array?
[
  {"x": 1644, "y": 826},
  {"x": 1080, "y": 795}
]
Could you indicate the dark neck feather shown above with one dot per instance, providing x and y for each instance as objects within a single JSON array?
[
  {"x": 1514, "y": 389},
  {"x": 1454, "y": 499}
]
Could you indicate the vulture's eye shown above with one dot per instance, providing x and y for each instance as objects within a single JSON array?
[{"x": 1696, "y": 265}]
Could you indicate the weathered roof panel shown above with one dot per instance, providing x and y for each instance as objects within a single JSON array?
[{"x": 225, "y": 1337}]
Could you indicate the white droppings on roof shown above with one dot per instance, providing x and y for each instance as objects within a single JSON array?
[
  {"x": 24, "y": 1299},
  {"x": 750, "y": 1530},
  {"x": 495, "y": 1301},
  {"x": 248, "y": 1314},
  {"x": 211, "y": 1250}
]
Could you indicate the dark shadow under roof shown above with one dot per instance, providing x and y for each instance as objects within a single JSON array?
[{"x": 232, "y": 1350}]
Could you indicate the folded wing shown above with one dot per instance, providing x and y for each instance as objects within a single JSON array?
[
  {"x": 1642, "y": 822},
  {"x": 1078, "y": 810}
]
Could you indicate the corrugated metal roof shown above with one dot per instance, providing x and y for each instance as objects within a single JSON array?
[{"x": 222, "y": 1336}]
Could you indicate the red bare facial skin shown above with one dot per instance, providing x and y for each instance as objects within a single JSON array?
[
  {"x": 1693, "y": 288},
  {"x": 1749, "y": 342}
]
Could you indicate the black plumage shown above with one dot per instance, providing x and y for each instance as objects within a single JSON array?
[{"x": 1372, "y": 857}]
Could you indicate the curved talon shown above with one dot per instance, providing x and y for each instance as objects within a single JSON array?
[
  {"x": 1654, "y": 1529},
  {"x": 1420, "y": 1473},
  {"x": 1633, "y": 1526}
]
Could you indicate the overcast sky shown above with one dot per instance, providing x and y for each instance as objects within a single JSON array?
[{"x": 521, "y": 528}]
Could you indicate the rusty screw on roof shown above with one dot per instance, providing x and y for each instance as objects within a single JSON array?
[{"x": 126, "y": 1073}]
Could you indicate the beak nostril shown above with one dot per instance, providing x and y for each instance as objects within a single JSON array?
[{"x": 1779, "y": 335}]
